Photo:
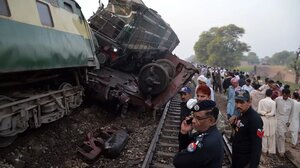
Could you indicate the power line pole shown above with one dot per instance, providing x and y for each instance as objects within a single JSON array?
[{"x": 296, "y": 66}]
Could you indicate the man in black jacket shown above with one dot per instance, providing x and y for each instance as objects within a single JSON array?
[
  {"x": 226, "y": 82},
  {"x": 185, "y": 95},
  {"x": 247, "y": 140},
  {"x": 205, "y": 147}
]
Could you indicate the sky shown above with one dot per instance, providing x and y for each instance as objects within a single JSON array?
[{"x": 270, "y": 25}]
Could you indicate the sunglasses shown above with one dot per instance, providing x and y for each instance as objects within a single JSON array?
[{"x": 199, "y": 118}]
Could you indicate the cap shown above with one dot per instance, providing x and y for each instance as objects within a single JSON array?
[
  {"x": 203, "y": 105},
  {"x": 185, "y": 90},
  {"x": 242, "y": 95},
  {"x": 234, "y": 80},
  {"x": 202, "y": 78}
]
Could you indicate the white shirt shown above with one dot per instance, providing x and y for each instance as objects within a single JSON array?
[
  {"x": 295, "y": 118},
  {"x": 267, "y": 107},
  {"x": 248, "y": 88},
  {"x": 284, "y": 113}
]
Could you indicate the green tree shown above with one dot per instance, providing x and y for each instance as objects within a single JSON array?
[
  {"x": 265, "y": 60},
  {"x": 220, "y": 46},
  {"x": 252, "y": 58},
  {"x": 282, "y": 58}
]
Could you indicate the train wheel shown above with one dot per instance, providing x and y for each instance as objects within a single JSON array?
[
  {"x": 75, "y": 100},
  {"x": 6, "y": 141},
  {"x": 65, "y": 85},
  {"x": 153, "y": 79},
  {"x": 168, "y": 65}
]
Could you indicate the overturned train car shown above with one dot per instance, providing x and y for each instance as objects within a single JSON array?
[
  {"x": 49, "y": 59},
  {"x": 135, "y": 53}
]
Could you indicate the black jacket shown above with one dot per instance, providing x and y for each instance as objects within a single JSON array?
[
  {"x": 184, "y": 112},
  {"x": 247, "y": 141},
  {"x": 208, "y": 154},
  {"x": 226, "y": 83}
]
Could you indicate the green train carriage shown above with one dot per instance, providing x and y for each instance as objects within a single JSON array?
[{"x": 46, "y": 50}]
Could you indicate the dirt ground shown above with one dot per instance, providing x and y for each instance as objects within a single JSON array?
[
  {"x": 281, "y": 73},
  {"x": 55, "y": 145}
]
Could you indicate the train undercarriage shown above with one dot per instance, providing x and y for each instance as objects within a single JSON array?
[
  {"x": 155, "y": 84},
  {"x": 31, "y": 103}
]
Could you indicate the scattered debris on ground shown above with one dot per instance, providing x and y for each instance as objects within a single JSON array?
[{"x": 56, "y": 144}]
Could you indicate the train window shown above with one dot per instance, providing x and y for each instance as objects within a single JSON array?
[
  {"x": 45, "y": 15},
  {"x": 4, "y": 10},
  {"x": 68, "y": 7}
]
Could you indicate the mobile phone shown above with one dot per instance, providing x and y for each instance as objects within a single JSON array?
[{"x": 189, "y": 121}]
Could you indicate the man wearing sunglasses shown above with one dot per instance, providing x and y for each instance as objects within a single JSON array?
[
  {"x": 204, "y": 148},
  {"x": 248, "y": 127}
]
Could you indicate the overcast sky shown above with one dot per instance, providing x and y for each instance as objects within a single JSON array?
[{"x": 270, "y": 25}]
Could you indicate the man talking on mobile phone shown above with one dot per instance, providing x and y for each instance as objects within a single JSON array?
[{"x": 204, "y": 148}]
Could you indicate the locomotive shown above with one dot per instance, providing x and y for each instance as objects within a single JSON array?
[
  {"x": 50, "y": 55},
  {"x": 136, "y": 40}
]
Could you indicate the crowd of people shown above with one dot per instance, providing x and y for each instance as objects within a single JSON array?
[{"x": 260, "y": 113}]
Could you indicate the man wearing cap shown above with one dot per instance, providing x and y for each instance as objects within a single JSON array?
[
  {"x": 185, "y": 95},
  {"x": 204, "y": 148},
  {"x": 247, "y": 140}
]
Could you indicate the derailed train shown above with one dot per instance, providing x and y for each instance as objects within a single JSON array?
[{"x": 50, "y": 54}]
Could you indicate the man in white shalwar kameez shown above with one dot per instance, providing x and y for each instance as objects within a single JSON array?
[
  {"x": 284, "y": 113},
  {"x": 294, "y": 127},
  {"x": 267, "y": 111}
]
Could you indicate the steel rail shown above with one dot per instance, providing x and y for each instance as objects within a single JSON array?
[{"x": 151, "y": 150}]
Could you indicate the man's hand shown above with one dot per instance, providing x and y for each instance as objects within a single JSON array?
[
  {"x": 185, "y": 128},
  {"x": 232, "y": 120}
]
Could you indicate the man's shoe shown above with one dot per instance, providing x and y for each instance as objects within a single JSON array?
[{"x": 281, "y": 155}]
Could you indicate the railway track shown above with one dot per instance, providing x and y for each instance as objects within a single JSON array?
[{"x": 164, "y": 144}]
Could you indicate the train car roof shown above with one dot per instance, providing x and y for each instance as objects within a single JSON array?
[{"x": 62, "y": 4}]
